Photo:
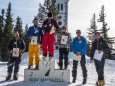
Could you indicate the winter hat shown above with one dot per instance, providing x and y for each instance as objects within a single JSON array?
[
  {"x": 78, "y": 31},
  {"x": 49, "y": 14},
  {"x": 97, "y": 33}
]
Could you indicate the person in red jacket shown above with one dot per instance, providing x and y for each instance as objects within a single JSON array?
[{"x": 49, "y": 26}]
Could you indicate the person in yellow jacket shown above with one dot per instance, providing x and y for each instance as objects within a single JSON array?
[{"x": 35, "y": 35}]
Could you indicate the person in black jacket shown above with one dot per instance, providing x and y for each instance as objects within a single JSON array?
[
  {"x": 100, "y": 45},
  {"x": 16, "y": 47}
]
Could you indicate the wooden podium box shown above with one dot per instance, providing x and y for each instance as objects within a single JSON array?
[{"x": 47, "y": 72}]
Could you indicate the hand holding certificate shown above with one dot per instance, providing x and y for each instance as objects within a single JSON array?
[
  {"x": 52, "y": 30},
  {"x": 64, "y": 39},
  {"x": 98, "y": 55},
  {"x": 76, "y": 57},
  {"x": 15, "y": 52},
  {"x": 34, "y": 40}
]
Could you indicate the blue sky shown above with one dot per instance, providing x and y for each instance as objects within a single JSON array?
[
  {"x": 80, "y": 12},
  {"x": 26, "y": 9}
]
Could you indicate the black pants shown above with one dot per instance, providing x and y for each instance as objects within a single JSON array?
[
  {"x": 13, "y": 62},
  {"x": 63, "y": 54},
  {"x": 100, "y": 68},
  {"x": 84, "y": 70}
]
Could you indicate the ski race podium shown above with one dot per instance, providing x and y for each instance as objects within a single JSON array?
[{"x": 46, "y": 72}]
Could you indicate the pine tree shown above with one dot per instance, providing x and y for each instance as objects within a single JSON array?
[
  {"x": 8, "y": 24},
  {"x": 49, "y": 6},
  {"x": 1, "y": 28},
  {"x": 1, "y": 31},
  {"x": 42, "y": 14},
  {"x": 91, "y": 32},
  {"x": 1, "y": 24},
  {"x": 53, "y": 9},
  {"x": 26, "y": 29},
  {"x": 18, "y": 26},
  {"x": 92, "y": 29},
  {"x": 7, "y": 33},
  {"x": 105, "y": 30},
  {"x": 26, "y": 39}
]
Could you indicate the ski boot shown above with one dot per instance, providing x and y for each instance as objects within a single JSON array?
[
  {"x": 50, "y": 58},
  {"x": 66, "y": 66},
  {"x": 30, "y": 66},
  {"x": 36, "y": 67},
  {"x": 15, "y": 77},
  {"x": 100, "y": 83},
  {"x": 74, "y": 79},
  {"x": 8, "y": 76},
  {"x": 84, "y": 81},
  {"x": 44, "y": 58},
  {"x": 60, "y": 67}
]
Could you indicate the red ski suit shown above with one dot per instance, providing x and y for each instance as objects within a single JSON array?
[{"x": 48, "y": 39}]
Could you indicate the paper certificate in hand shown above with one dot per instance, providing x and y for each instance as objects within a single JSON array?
[
  {"x": 52, "y": 30},
  {"x": 15, "y": 52},
  {"x": 34, "y": 40},
  {"x": 76, "y": 58},
  {"x": 98, "y": 55},
  {"x": 64, "y": 39}
]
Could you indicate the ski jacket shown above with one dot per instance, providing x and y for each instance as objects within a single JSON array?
[
  {"x": 79, "y": 45},
  {"x": 68, "y": 44},
  {"x": 35, "y": 31},
  {"x": 49, "y": 24},
  {"x": 99, "y": 44},
  {"x": 17, "y": 43}
]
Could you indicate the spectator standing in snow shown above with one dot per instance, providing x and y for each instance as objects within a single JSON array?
[{"x": 16, "y": 47}]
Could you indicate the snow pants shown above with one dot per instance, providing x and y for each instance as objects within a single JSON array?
[
  {"x": 48, "y": 44},
  {"x": 100, "y": 68},
  {"x": 63, "y": 54},
  {"x": 84, "y": 70},
  {"x": 13, "y": 62},
  {"x": 34, "y": 51}
]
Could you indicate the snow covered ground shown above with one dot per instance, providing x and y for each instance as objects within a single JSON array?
[{"x": 92, "y": 76}]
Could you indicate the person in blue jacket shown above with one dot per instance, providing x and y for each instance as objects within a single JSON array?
[
  {"x": 79, "y": 47},
  {"x": 34, "y": 47}
]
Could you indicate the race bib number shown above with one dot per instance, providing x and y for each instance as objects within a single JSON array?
[
  {"x": 98, "y": 55},
  {"x": 15, "y": 52},
  {"x": 76, "y": 57},
  {"x": 34, "y": 40},
  {"x": 52, "y": 30},
  {"x": 64, "y": 39}
]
